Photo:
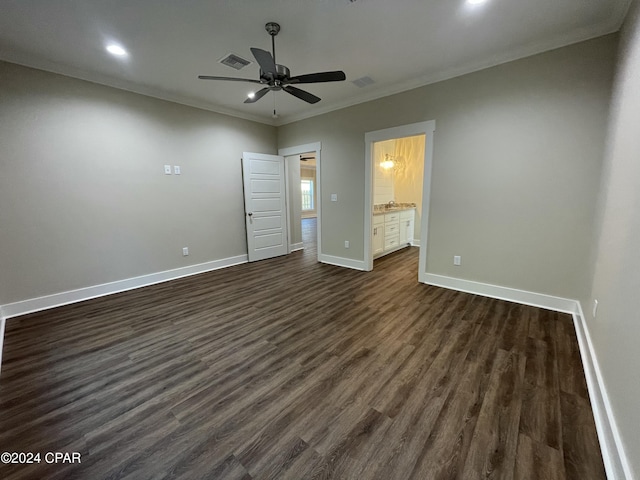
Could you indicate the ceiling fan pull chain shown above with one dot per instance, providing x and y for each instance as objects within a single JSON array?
[{"x": 275, "y": 113}]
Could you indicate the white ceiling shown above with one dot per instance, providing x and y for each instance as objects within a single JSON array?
[{"x": 401, "y": 44}]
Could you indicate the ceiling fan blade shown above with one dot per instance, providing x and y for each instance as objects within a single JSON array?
[
  {"x": 258, "y": 95},
  {"x": 265, "y": 60},
  {"x": 336, "y": 76},
  {"x": 301, "y": 94},
  {"x": 228, "y": 79}
]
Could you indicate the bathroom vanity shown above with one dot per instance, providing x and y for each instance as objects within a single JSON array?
[{"x": 392, "y": 229}]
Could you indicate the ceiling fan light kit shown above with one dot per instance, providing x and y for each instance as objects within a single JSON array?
[{"x": 277, "y": 77}]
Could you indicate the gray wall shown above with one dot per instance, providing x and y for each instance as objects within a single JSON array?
[
  {"x": 616, "y": 261},
  {"x": 83, "y": 197},
  {"x": 517, "y": 157}
]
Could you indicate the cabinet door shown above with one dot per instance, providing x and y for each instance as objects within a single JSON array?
[
  {"x": 406, "y": 230},
  {"x": 410, "y": 231},
  {"x": 378, "y": 239}
]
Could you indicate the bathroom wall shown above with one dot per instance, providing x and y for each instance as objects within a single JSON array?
[
  {"x": 383, "y": 191},
  {"x": 408, "y": 175}
]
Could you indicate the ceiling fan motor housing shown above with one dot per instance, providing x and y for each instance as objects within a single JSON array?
[
  {"x": 282, "y": 73},
  {"x": 272, "y": 28}
]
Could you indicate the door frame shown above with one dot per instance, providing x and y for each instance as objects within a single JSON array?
[
  {"x": 298, "y": 150},
  {"x": 421, "y": 128}
]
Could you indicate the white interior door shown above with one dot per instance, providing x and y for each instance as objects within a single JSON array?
[{"x": 264, "y": 205}]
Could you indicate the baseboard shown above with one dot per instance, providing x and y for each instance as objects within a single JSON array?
[
  {"x": 540, "y": 300},
  {"x": 297, "y": 246},
  {"x": 415, "y": 243},
  {"x": 87, "y": 293},
  {"x": 2, "y": 323},
  {"x": 613, "y": 454},
  {"x": 342, "y": 262}
]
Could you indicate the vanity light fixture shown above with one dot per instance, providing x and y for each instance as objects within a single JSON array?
[
  {"x": 387, "y": 163},
  {"x": 116, "y": 50},
  {"x": 251, "y": 94}
]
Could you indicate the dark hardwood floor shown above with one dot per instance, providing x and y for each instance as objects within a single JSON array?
[{"x": 290, "y": 369}]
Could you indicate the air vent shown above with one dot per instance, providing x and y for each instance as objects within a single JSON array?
[
  {"x": 363, "y": 81},
  {"x": 234, "y": 61}
]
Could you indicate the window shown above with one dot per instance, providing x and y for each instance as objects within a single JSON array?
[{"x": 307, "y": 194}]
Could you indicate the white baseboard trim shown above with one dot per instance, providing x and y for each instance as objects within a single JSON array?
[
  {"x": 541, "y": 300},
  {"x": 415, "y": 243},
  {"x": 2, "y": 323},
  {"x": 297, "y": 246},
  {"x": 64, "y": 298},
  {"x": 615, "y": 460},
  {"x": 342, "y": 262}
]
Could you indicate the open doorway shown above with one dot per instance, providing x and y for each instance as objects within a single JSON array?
[
  {"x": 302, "y": 166},
  {"x": 309, "y": 203},
  {"x": 398, "y": 166},
  {"x": 397, "y": 191},
  {"x": 302, "y": 202}
]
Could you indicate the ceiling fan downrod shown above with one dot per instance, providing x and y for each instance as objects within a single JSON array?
[{"x": 273, "y": 29}]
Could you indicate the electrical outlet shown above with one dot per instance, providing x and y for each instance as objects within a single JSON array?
[
  {"x": 346, "y": 244},
  {"x": 334, "y": 197},
  {"x": 595, "y": 308},
  {"x": 167, "y": 169},
  {"x": 457, "y": 260},
  {"x": 176, "y": 169},
  {"x": 185, "y": 251}
]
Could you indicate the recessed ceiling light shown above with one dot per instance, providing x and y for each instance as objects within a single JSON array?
[
  {"x": 116, "y": 50},
  {"x": 475, "y": 2},
  {"x": 251, "y": 94}
]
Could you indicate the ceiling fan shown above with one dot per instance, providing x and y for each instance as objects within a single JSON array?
[{"x": 278, "y": 77}]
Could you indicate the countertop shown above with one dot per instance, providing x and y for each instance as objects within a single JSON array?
[{"x": 380, "y": 210}]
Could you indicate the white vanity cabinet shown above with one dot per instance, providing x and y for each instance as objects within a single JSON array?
[
  {"x": 392, "y": 231},
  {"x": 378, "y": 234},
  {"x": 407, "y": 222}
]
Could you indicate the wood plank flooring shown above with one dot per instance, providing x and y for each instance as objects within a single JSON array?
[{"x": 290, "y": 369}]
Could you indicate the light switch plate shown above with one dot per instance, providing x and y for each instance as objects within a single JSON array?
[
  {"x": 167, "y": 169},
  {"x": 176, "y": 169},
  {"x": 334, "y": 197}
]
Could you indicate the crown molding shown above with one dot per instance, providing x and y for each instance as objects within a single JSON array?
[
  {"x": 612, "y": 25},
  {"x": 554, "y": 43},
  {"x": 108, "y": 81}
]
